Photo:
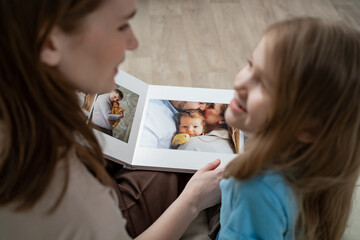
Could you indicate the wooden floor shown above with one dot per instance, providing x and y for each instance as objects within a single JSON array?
[{"x": 203, "y": 43}]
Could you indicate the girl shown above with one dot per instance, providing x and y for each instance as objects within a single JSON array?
[
  {"x": 53, "y": 181},
  {"x": 298, "y": 100}
]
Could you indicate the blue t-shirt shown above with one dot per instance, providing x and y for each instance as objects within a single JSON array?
[{"x": 263, "y": 207}]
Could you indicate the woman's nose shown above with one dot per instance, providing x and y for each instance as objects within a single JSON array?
[{"x": 132, "y": 42}]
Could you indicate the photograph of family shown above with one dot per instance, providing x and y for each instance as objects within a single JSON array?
[
  {"x": 186, "y": 125},
  {"x": 113, "y": 113}
]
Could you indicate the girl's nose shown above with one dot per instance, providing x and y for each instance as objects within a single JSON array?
[
  {"x": 243, "y": 93},
  {"x": 241, "y": 85},
  {"x": 241, "y": 88}
]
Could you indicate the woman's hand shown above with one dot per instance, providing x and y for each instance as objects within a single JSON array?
[{"x": 203, "y": 189}]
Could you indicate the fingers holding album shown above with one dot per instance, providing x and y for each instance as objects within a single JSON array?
[
  {"x": 211, "y": 166},
  {"x": 203, "y": 189}
]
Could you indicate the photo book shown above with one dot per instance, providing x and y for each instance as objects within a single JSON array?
[{"x": 165, "y": 128}]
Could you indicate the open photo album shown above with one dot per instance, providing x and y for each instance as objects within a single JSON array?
[{"x": 165, "y": 128}]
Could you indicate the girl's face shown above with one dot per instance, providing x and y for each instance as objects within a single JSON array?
[
  {"x": 213, "y": 115},
  {"x": 254, "y": 88},
  {"x": 91, "y": 55}
]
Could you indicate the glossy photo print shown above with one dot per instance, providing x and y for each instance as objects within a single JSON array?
[
  {"x": 187, "y": 125},
  {"x": 113, "y": 113}
]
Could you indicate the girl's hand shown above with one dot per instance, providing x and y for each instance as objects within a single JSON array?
[{"x": 203, "y": 189}]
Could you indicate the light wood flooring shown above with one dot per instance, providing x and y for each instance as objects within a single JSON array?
[{"x": 203, "y": 43}]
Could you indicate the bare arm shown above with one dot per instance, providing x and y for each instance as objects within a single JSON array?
[{"x": 202, "y": 191}]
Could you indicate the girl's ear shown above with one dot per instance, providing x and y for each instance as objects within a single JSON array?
[
  {"x": 50, "y": 54},
  {"x": 221, "y": 122}
]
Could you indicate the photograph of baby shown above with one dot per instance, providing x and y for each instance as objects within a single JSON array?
[
  {"x": 113, "y": 112},
  {"x": 185, "y": 125}
]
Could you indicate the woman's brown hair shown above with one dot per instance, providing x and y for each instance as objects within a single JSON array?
[
  {"x": 316, "y": 65},
  {"x": 39, "y": 111}
]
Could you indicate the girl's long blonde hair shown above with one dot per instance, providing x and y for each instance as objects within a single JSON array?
[
  {"x": 316, "y": 65},
  {"x": 39, "y": 110}
]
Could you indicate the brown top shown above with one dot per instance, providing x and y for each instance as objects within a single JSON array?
[{"x": 88, "y": 210}]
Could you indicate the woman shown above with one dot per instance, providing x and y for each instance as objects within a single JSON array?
[
  {"x": 218, "y": 136},
  {"x": 53, "y": 181}
]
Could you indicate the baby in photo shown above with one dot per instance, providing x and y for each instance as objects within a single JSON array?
[
  {"x": 190, "y": 123},
  {"x": 116, "y": 109}
]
